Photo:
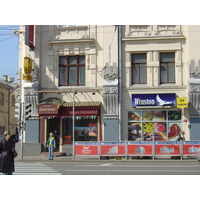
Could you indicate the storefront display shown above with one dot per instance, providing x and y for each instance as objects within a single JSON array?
[
  {"x": 85, "y": 129},
  {"x": 58, "y": 117},
  {"x": 161, "y": 125}
]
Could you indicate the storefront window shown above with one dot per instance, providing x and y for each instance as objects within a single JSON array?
[
  {"x": 85, "y": 128},
  {"x": 161, "y": 125}
]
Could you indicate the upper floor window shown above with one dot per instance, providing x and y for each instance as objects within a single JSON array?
[
  {"x": 167, "y": 68},
  {"x": 71, "y": 70},
  {"x": 1, "y": 99},
  {"x": 139, "y": 71}
]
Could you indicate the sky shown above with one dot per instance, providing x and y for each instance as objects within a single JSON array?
[{"x": 8, "y": 51}]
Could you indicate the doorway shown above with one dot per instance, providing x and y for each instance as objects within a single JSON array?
[{"x": 53, "y": 125}]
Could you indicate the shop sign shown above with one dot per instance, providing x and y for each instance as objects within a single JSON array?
[
  {"x": 167, "y": 148},
  {"x": 27, "y": 77},
  {"x": 48, "y": 109},
  {"x": 27, "y": 65},
  {"x": 86, "y": 148},
  {"x": 154, "y": 100},
  {"x": 140, "y": 148},
  {"x": 191, "y": 148},
  {"x": 112, "y": 148},
  {"x": 182, "y": 102}
]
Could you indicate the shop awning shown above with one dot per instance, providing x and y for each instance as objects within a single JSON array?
[{"x": 58, "y": 107}]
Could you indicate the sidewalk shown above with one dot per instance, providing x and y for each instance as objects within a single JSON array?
[{"x": 90, "y": 158}]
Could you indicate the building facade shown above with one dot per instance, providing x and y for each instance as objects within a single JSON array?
[
  {"x": 7, "y": 106},
  {"x": 130, "y": 82}
]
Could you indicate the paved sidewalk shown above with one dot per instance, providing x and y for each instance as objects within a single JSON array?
[{"x": 89, "y": 158}]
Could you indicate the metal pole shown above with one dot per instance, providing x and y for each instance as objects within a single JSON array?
[
  {"x": 22, "y": 129},
  {"x": 120, "y": 77},
  {"x": 73, "y": 128}
]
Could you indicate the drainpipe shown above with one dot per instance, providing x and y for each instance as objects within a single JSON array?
[{"x": 120, "y": 77}]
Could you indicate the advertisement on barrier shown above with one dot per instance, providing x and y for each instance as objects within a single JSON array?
[
  {"x": 190, "y": 148},
  {"x": 140, "y": 148},
  {"x": 167, "y": 148},
  {"x": 112, "y": 148},
  {"x": 86, "y": 148}
]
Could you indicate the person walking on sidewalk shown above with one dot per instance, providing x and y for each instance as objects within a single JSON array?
[
  {"x": 7, "y": 146},
  {"x": 51, "y": 143}
]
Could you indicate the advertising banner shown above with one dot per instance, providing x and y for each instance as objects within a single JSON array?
[
  {"x": 154, "y": 100},
  {"x": 86, "y": 148},
  {"x": 140, "y": 148},
  {"x": 112, "y": 148},
  {"x": 167, "y": 148},
  {"x": 190, "y": 148}
]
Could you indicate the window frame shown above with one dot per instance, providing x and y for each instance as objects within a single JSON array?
[
  {"x": 67, "y": 70},
  {"x": 138, "y": 63},
  {"x": 167, "y": 63}
]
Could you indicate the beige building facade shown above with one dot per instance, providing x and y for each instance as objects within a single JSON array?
[
  {"x": 7, "y": 109},
  {"x": 125, "y": 82}
]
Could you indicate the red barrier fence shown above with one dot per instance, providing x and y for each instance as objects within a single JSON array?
[{"x": 139, "y": 148}]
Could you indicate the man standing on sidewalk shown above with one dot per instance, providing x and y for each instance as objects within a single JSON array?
[{"x": 51, "y": 143}]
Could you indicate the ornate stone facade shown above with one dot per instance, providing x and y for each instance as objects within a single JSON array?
[{"x": 110, "y": 91}]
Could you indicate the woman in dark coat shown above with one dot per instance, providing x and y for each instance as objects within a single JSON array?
[{"x": 7, "y": 146}]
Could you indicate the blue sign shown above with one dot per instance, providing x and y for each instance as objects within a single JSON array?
[
  {"x": 112, "y": 143},
  {"x": 141, "y": 143},
  {"x": 154, "y": 100},
  {"x": 86, "y": 143}
]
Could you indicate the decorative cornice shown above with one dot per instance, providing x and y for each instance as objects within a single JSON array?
[
  {"x": 153, "y": 38},
  {"x": 64, "y": 41}
]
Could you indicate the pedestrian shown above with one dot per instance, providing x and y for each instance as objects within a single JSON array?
[
  {"x": 181, "y": 136},
  {"x": 7, "y": 147},
  {"x": 51, "y": 143}
]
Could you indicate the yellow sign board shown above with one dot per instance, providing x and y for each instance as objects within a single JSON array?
[
  {"x": 27, "y": 77},
  {"x": 182, "y": 102},
  {"x": 27, "y": 65}
]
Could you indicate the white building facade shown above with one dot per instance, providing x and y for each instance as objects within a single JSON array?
[{"x": 130, "y": 82}]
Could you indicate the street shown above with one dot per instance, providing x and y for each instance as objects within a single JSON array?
[{"x": 143, "y": 167}]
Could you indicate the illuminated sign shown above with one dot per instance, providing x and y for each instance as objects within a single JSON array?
[{"x": 154, "y": 100}]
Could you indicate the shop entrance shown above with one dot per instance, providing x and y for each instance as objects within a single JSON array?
[{"x": 53, "y": 125}]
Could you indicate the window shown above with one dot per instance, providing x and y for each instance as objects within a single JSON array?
[
  {"x": 1, "y": 99},
  {"x": 71, "y": 70},
  {"x": 139, "y": 72},
  {"x": 167, "y": 68},
  {"x": 86, "y": 128},
  {"x": 162, "y": 125}
]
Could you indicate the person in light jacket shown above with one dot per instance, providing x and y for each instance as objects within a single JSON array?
[
  {"x": 51, "y": 143},
  {"x": 7, "y": 145}
]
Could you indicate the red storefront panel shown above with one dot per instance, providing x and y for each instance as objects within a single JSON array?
[
  {"x": 86, "y": 148},
  {"x": 167, "y": 148},
  {"x": 112, "y": 148},
  {"x": 140, "y": 148}
]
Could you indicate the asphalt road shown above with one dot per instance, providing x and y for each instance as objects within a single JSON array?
[{"x": 142, "y": 167}]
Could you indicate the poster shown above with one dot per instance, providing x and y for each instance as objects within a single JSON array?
[
  {"x": 134, "y": 131},
  {"x": 191, "y": 148},
  {"x": 174, "y": 130},
  {"x": 156, "y": 130},
  {"x": 86, "y": 133},
  {"x": 86, "y": 148},
  {"x": 167, "y": 148},
  {"x": 112, "y": 148},
  {"x": 140, "y": 148}
]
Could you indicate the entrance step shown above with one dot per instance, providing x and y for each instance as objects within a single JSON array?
[{"x": 56, "y": 154}]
